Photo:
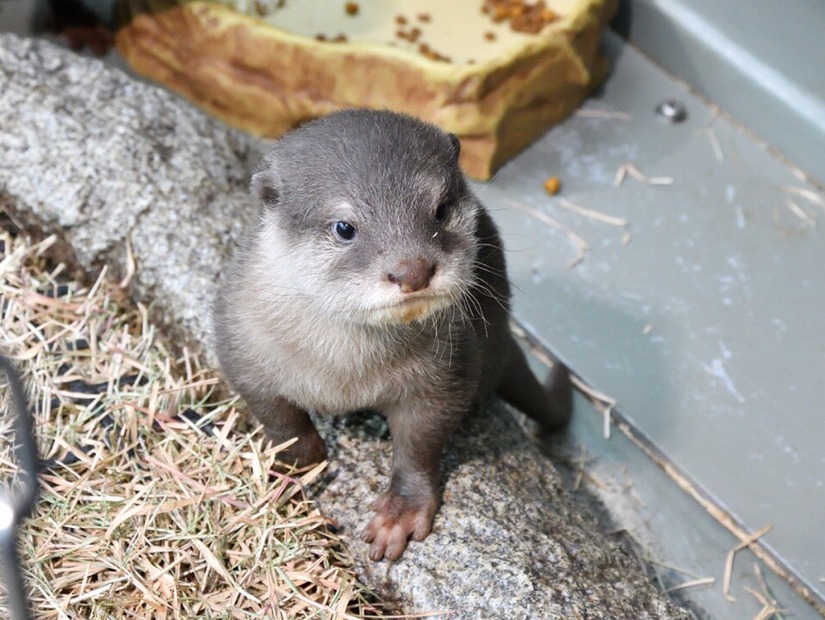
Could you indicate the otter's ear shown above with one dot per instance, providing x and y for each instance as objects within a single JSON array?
[
  {"x": 456, "y": 145},
  {"x": 266, "y": 187}
]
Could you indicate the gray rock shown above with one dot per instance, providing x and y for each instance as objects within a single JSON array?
[
  {"x": 130, "y": 175},
  {"x": 126, "y": 173}
]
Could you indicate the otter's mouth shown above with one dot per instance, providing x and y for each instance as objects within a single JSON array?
[{"x": 416, "y": 308}]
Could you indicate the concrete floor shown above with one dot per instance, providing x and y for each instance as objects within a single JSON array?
[{"x": 701, "y": 316}]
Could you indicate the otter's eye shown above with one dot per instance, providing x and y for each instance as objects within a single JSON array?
[
  {"x": 441, "y": 211},
  {"x": 344, "y": 231}
]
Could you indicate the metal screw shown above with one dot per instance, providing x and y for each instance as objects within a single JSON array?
[{"x": 671, "y": 111}]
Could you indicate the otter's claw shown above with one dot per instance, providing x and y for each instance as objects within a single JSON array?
[{"x": 396, "y": 520}]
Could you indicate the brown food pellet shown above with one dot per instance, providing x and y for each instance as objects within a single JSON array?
[
  {"x": 351, "y": 8},
  {"x": 552, "y": 186},
  {"x": 490, "y": 36},
  {"x": 400, "y": 20},
  {"x": 428, "y": 52},
  {"x": 341, "y": 38},
  {"x": 424, "y": 18},
  {"x": 321, "y": 37},
  {"x": 522, "y": 15},
  {"x": 414, "y": 34}
]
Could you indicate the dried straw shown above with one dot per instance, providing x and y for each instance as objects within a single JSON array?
[
  {"x": 633, "y": 171},
  {"x": 155, "y": 501},
  {"x": 575, "y": 238}
]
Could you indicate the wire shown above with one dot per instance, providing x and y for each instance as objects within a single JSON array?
[{"x": 19, "y": 503}]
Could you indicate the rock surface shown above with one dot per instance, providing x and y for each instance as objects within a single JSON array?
[{"x": 135, "y": 179}]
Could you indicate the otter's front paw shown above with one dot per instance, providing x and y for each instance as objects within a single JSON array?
[
  {"x": 308, "y": 450},
  {"x": 397, "y": 519}
]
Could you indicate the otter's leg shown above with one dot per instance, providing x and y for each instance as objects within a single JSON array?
[
  {"x": 550, "y": 404},
  {"x": 282, "y": 421},
  {"x": 406, "y": 510}
]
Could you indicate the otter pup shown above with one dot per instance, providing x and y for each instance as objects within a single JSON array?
[{"x": 374, "y": 280}]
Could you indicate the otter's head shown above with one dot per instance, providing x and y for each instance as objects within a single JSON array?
[{"x": 368, "y": 215}]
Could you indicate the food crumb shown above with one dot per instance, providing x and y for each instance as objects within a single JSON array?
[
  {"x": 424, "y": 18},
  {"x": 351, "y": 8},
  {"x": 400, "y": 20},
  {"x": 522, "y": 15},
  {"x": 428, "y": 52},
  {"x": 552, "y": 186},
  {"x": 490, "y": 36}
]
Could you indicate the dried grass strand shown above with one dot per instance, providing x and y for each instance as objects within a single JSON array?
[
  {"x": 631, "y": 170},
  {"x": 592, "y": 214},
  {"x": 580, "y": 244},
  {"x": 744, "y": 542}
]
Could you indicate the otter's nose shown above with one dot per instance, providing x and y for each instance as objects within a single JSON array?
[{"x": 412, "y": 275}]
